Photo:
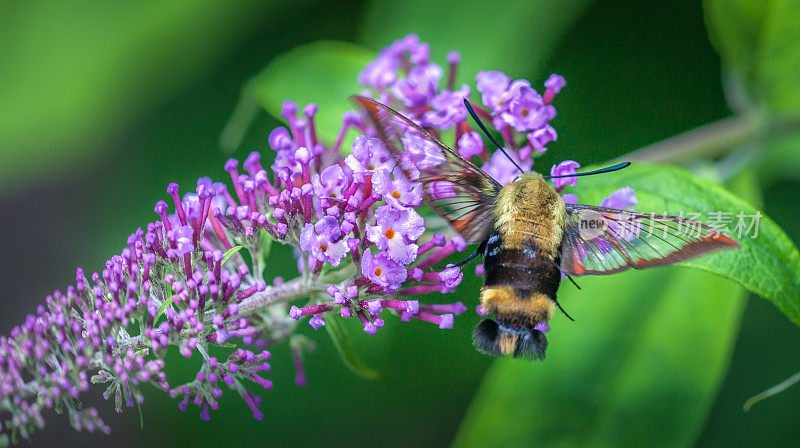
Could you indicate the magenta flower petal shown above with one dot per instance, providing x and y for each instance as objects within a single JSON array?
[
  {"x": 502, "y": 170},
  {"x": 470, "y": 144},
  {"x": 399, "y": 192},
  {"x": 395, "y": 232},
  {"x": 369, "y": 154},
  {"x": 570, "y": 198},
  {"x": 331, "y": 183},
  {"x": 526, "y": 111},
  {"x": 623, "y": 198},
  {"x": 447, "y": 108},
  {"x": 564, "y": 168},
  {"x": 323, "y": 240},
  {"x": 419, "y": 87},
  {"x": 183, "y": 239},
  {"x": 382, "y": 270}
]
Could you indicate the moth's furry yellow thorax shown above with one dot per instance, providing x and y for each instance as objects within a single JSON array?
[{"x": 529, "y": 211}]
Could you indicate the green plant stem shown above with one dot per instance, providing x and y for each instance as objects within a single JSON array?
[
  {"x": 714, "y": 139},
  {"x": 710, "y": 140}
]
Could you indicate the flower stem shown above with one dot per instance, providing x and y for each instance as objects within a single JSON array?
[
  {"x": 710, "y": 140},
  {"x": 290, "y": 290},
  {"x": 714, "y": 139},
  {"x": 774, "y": 390},
  {"x": 284, "y": 292}
]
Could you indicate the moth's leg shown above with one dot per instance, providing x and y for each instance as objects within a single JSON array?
[
  {"x": 481, "y": 249},
  {"x": 556, "y": 263},
  {"x": 562, "y": 310},
  {"x": 571, "y": 279}
]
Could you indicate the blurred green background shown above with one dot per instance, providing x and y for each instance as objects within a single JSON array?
[{"x": 105, "y": 103}]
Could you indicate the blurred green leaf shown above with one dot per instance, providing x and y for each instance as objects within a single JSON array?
[
  {"x": 640, "y": 366},
  {"x": 781, "y": 158},
  {"x": 73, "y": 73},
  {"x": 515, "y": 37},
  {"x": 347, "y": 351},
  {"x": 324, "y": 73},
  {"x": 767, "y": 264},
  {"x": 760, "y": 42}
]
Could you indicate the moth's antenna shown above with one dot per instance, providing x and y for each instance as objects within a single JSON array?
[
  {"x": 486, "y": 131},
  {"x": 607, "y": 169}
]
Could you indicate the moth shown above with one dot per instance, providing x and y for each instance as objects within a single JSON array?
[{"x": 529, "y": 237}]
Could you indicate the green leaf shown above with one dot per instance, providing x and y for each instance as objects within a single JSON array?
[
  {"x": 516, "y": 37},
  {"x": 223, "y": 344},
  {"x": 229, "y": 253},
  {"x": 163, "y": 306},
  {"x": 324, "y": 73},
  {"x": 346, "y": 350},
  {"x": 640, "y": 366},
  {"x": 141, "y": 415},
  {"x": 767, "y": 264},
  {"x": 760, "y": 44}
]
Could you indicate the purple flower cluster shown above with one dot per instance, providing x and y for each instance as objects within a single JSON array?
[
  {"x": 355, "y": 210},
  {"x": 361, "y": 244},
  {"x": 169, "y": 282},
  {"x": 404, "y": 77},
  {"x": 242, "y": 364}
]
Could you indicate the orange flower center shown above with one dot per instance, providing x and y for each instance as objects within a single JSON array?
[
  {"x": 323, "y": 247},
  {"x": 524, "y": 112},
  {"x": 390, "y": 233},
  {"x": 378, "y": 271},
  {"x": 396, "y": 194},
  {"x": 370, "y": 167}
]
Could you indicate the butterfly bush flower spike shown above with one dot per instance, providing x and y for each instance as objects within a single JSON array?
[{"x": 197, "y": 276}]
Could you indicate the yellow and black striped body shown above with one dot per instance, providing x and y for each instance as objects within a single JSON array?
[{"x": 521, "y": 262}]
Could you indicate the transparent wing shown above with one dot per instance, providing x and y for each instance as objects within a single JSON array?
[
  {"x": 599, "y": 240},
  {"x": 457, "y": 190}
]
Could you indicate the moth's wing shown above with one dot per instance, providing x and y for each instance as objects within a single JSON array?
[
  {"x": 457, "y": 190},
  {"x": 600, "y": 240}
]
